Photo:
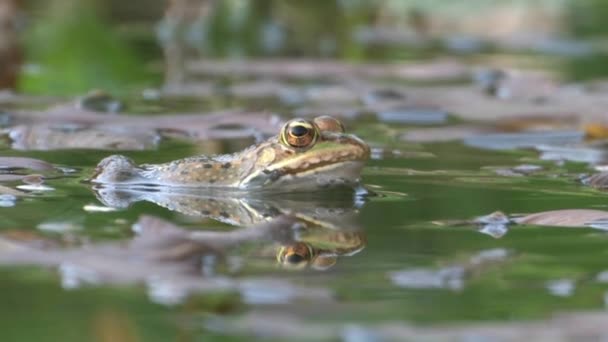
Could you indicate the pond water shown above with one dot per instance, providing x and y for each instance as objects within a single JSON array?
[
  {"x": 472, "y": 221},
  {"x": 407, "y": 251}
]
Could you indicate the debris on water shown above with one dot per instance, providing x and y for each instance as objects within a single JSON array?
[
  {"x": 99, "y": 101},
  {"x": 577, "y": 153},
  {"x": 24, "y": 163},
  {"x": 9, "y": 177},
  {"x": 494, "y": 230},
  {"x": 451, "y": 278},
  {"x": 572, "y": 326},
  {"x": 35, "y": 187},
  {"x": 490, "y": 255},
  {"x": 510, "y": 141},
  {"x": 602, "y": 277},
  {"x": 598, "y": 180},
  {"x": 564, "y": 218},
  {"x": 359, "y": 333},
  {"x": 496, "y": 217},
  {"x": 595, "y": 130},
  {"x": 379, "y": 153},
  {"x": 443, "y": 134},
  {"x": 258, "y": 291},
  {"x": 527, "y": 169},
  {"x": 4, "y": 190},
  {"x": 516, "y": 85},
  {"x": 66, "y": 170},
  {"x": 507, "y": 173},
  {"x": 5, "y": 119},
  {"x": 74, "y": 276},
  {"x": 495, "y": 224},
  {"x": 92, "y": 208},
  {"x": 151, "y": 94},
  {"x": 383, "y": 95},
  {"x": 413, "y": 116},
  {"x": 59, "y": 227},
  {"x": 195, "y": 125},
  {"x": 7, "y": 200},
  {"x": 561, "y": 287},
  {"x": 55, "y": 137},
  {"x": 165, "y": 293},
  {"x": 518, "y": 171},
  {"x": 601, "y": 224},
  {"x": 33, "y": 179},
  {"x": 489, "y": 79}
]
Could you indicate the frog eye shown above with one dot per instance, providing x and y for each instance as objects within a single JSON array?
[
  {"x": 327, "y": 123},
  {"x": 299, "y": 133},
  {"x": 296, "y": 256}
]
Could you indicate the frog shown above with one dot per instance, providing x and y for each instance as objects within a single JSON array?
[{"x": 304, "y": 155}]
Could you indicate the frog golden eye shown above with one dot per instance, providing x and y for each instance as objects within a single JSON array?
[
  {"x": 296, "y": 256},
  {"x": 327, "y": 123},
  {"x": 299, "y": 133}
]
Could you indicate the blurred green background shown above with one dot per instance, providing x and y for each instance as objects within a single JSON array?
[{"x": 74, "y": 45}]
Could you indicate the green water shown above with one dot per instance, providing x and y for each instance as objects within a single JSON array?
[
  {"x": 398, "y": 223},
  {"x": 414, "y": 195}
]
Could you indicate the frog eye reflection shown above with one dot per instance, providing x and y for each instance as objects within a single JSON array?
[
  {"x": 296, "y": 256},
  {"x": 299, "y": 133}
]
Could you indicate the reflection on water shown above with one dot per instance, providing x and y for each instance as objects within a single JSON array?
[
  {"x": 327, "y": 222},
  {"x": 452, "y": 139},
  {"x": 174, "y": 262},
  {"x": 171, "y": 262}
]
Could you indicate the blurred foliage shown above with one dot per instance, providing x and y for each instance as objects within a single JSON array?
[
  {"x": 73, "y": 46},
  {"x": 74, "y": 49},
  {"x": 587, "y": 18}
]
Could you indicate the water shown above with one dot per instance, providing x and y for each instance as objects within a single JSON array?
[
  {"x": 429, "y": 251},
  {"x": 413, "y": 266}
]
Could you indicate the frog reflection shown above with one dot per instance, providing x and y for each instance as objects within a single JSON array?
[
  {"x": 327, "y": 227},
  {"x": 314, "y": 254}
]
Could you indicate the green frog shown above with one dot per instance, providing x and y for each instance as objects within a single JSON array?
[{"x": 305, "y": 155}]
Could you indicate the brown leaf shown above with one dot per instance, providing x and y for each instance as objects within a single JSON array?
[
  {"x": 24, "y": 163},
  {"x": 564, "y": 217}
]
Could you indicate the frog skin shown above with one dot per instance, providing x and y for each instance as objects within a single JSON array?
[{"x": 305, "y": 155}]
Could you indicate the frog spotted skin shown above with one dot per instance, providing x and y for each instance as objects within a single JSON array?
[{"x": 304, "y": 155}]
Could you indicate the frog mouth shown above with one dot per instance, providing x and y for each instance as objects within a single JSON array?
[
  {"x": 337, "y": 161},
  {"x": 321, "y": 175}
]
